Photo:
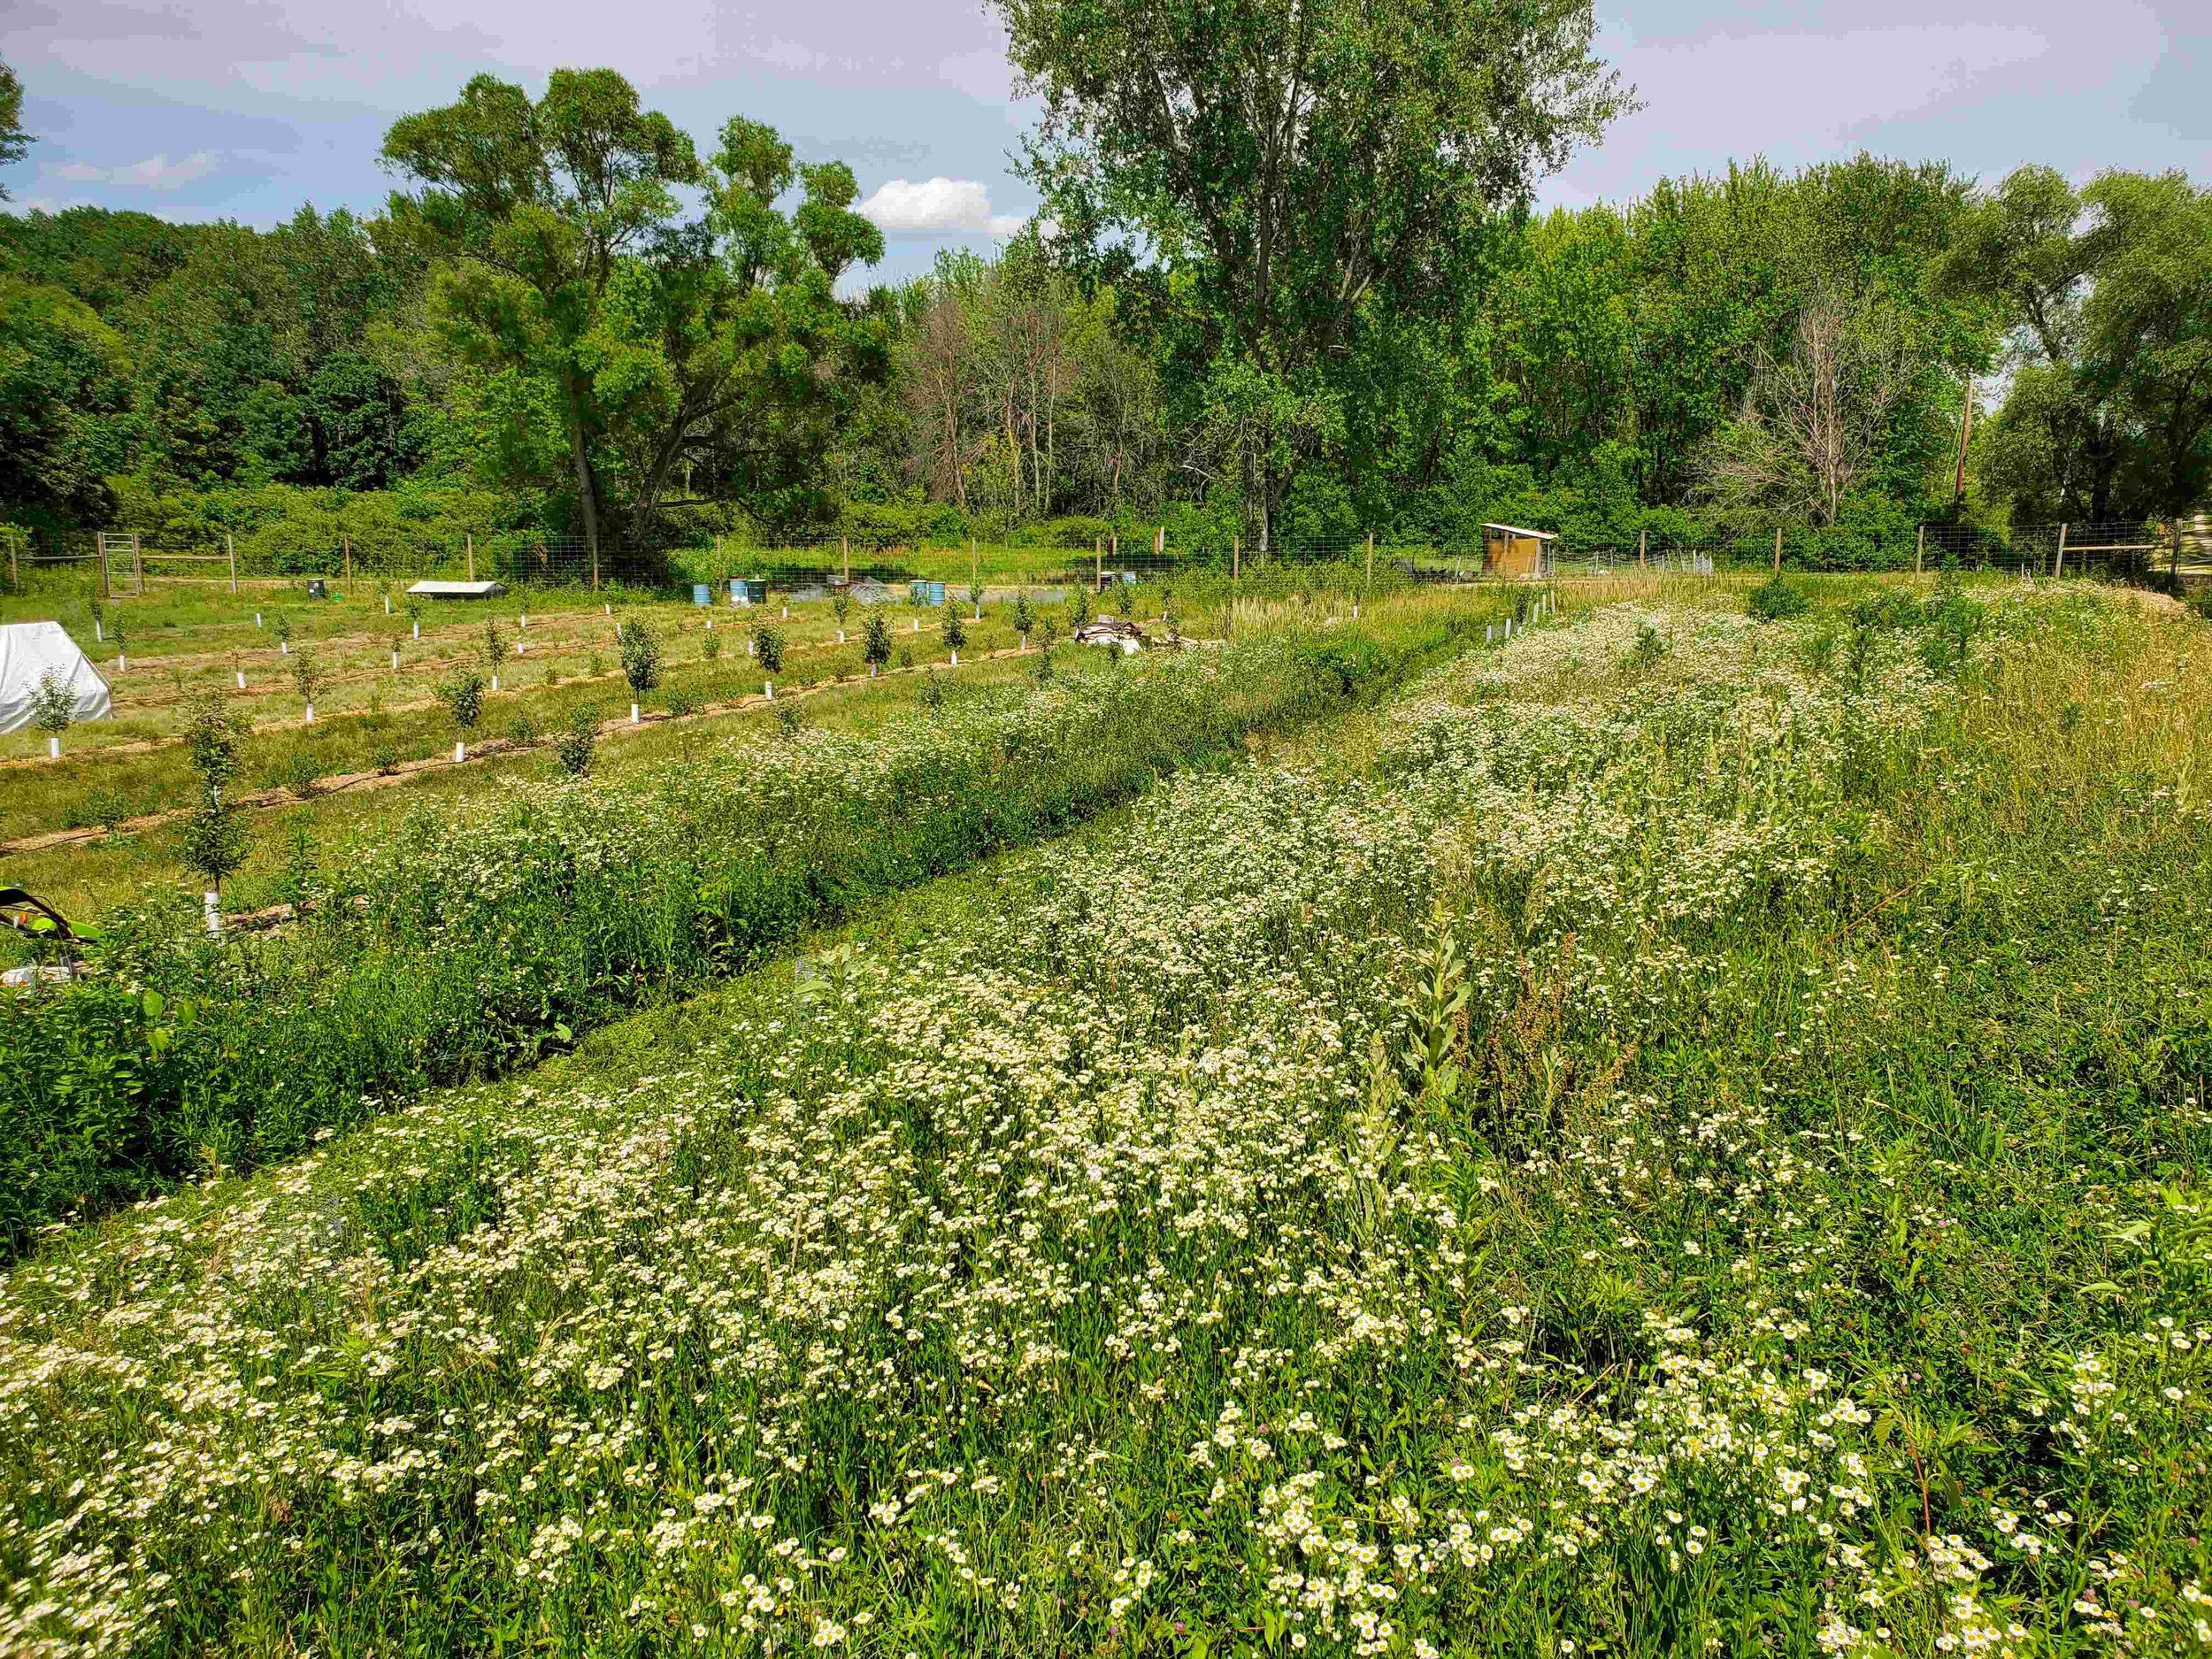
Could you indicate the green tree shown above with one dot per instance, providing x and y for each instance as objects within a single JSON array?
[
  {"x": 875, "y": 641},
  {"x": 64, "y": 397},
  {"x": 2148, "y": 324},
  {"x": 641, "y": 651},
  {"x": 1293, "y": 164},
  {"x": 677, "y": 346},
  {"x": 215, "y": 841},
  {"x": 14, "y": 142},
  {"x": 536, "y": 204}
]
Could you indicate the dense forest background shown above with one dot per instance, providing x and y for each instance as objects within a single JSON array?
[{"x": 572, "y": 320}]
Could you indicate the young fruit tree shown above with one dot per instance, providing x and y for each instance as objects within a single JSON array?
[
  {"x": 1025, "y": 618},
  {"x": 641, "y": 651},
  {"x": 214, "y": 842},
  {"x": 768, "y": 646},
  {"x": 494, "y": 650},
  {"x": 464, "y": 697},
  {"x": 875, "y": 643},
  {"x": 307, "y": 674},
  {"x": 956, "y": 631},
  {"x": 53, "y": 707},
  {"x": 573, "y": 747}
]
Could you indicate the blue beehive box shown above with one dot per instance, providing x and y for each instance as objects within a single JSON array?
[
  {"x": 749, "y": 592},
  {"x": 702, "y": 593},
  {"x": 925, "y": 593}
]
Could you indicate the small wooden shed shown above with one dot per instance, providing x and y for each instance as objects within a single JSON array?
[{"x": 1510, "y": 550}]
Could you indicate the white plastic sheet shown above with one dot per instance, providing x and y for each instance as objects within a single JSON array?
[{"x": 31, "y": 650}]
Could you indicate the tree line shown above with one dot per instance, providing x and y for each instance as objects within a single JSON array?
[{"x": 1286, "y": 284}]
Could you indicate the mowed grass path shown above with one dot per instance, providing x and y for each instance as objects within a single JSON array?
[{"x": 1680, "y": 1135}]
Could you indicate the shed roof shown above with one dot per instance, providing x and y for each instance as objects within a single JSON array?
[{"x": 1514, "y": 529}]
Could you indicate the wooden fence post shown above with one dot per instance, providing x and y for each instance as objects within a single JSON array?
[
  {"x": 470, "y": 537},
  {"x": 2173, "y": 571},
  {"x": 1778, "y": 549},
  {"x": 975, "y": 591},
  {"x": 1236, "y": 557},
  {"x": 15, "y": 576},
  {"x": 1920, "y": 552},
  {"x": 230, "y": 546},
  {"x": 138, "y": 562},
  {"x": 1371, "y": 558},
  {"x": 1641, "y": 533},
  {"x": 845, "y": 546},
  {"x": 2058, "y": 564},
  {"x": 101, "y": 542},
  {"x": 1098, "y": 563}
]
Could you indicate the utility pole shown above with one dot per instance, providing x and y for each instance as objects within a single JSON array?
[{"x": 1966, "y": 430}]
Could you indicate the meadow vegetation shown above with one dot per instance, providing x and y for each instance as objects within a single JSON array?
[
  {"x": 433, "y": 947},
  {"x": 1683, "y": 1133}
]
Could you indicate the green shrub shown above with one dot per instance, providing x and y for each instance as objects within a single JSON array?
[
  {"x": 1777, "y": 598},
  {"x": 573, "y": 746}
]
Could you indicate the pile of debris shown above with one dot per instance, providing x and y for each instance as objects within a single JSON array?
[{"x": 1123, "y": 635}]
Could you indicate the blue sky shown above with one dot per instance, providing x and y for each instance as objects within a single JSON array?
[{"x": 247, "y": 108}]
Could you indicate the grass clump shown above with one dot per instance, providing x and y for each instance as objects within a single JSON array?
[{"x": 1776, "y": 599}]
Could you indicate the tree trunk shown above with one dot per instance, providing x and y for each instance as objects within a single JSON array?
[{"x": 587, "y": 491}]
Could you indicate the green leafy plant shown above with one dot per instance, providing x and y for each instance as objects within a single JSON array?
[
  {"x": 464, "y": 698},
  {"x": 573, "y": 744},
  {"x": 641, "y": 652},
  {"x": 1775, "y": 599},
  {"x": 53, "y": 705},
  {"x": 768, "y": 647},
  {"x": 955, "y": 628},
  {"x": 213, "y": 842},
  {"x": 875, "y": 640},
  {"x": 576, "y": 739},
  {"x": 307, "y": 674}
]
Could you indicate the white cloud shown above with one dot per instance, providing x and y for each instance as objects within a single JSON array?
[
  {"x": 938, "y": 207},
  {"x": 156, "y": 173}
]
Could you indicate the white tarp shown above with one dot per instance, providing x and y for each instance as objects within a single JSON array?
[{"x": 31, "y": 650}]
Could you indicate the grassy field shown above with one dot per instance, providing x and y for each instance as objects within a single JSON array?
[
  {"x": 379, "y": 701},
  {"x": 1680, "y": 1133}
]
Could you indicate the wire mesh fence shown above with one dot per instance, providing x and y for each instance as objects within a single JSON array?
[{"x": 126, "y": 562}]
